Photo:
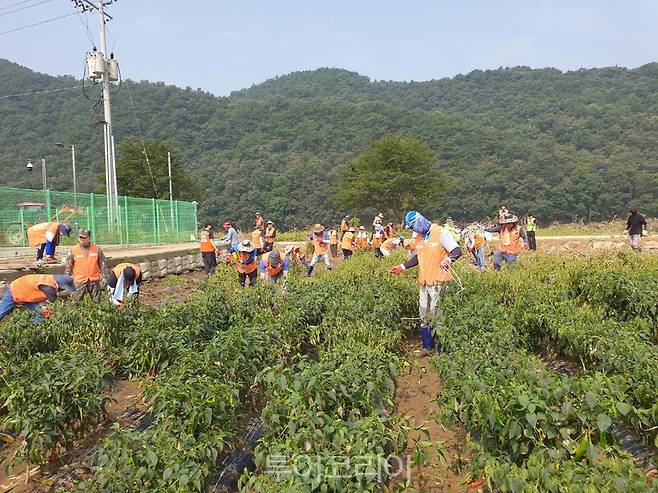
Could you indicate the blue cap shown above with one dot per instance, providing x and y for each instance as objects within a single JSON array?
[
  {"x": 65, "y": 229},
  {"x": 65, "y": 282}
]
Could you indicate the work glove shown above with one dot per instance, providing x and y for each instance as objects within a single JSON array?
[
  {"x": 396, "y": 270},
  {"x": 45, "y": 311},
  {"x": 446, "y": 263}
]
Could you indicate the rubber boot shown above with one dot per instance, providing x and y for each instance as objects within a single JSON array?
[
  {"x": 428, "y": 339},
  {"x": 309, "y": 271}
]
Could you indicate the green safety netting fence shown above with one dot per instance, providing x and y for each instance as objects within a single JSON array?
[{"x": 139, "y": 220}]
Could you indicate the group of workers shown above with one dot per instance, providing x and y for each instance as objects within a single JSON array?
[{"x": 85, "y": 273}]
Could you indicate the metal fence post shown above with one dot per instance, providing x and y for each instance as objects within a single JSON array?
[
  {"x": 125, "y": 215},
  {"x": 156, "y": 232},
  {"x": 177, "y": 223},
  {"x": 48, "y": 205},
  {"x": 22, "y": 214},
  {"x": 92, "y": 206}
]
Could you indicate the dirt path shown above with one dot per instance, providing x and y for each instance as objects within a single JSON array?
[
  {"x": 177, "y": 288},
  {"x": 417, "y": 388}
]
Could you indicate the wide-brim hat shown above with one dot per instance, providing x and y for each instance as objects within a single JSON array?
[
  {"x": 509, "y": 219},
  {"x": 318, "y": 228},
  {"x": 246, "y": 246}
]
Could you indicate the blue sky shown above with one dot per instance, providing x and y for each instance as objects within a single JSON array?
[{"x": 222, "y": 46}]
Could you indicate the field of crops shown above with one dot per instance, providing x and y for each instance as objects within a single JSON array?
[{"x": 318, "y": 363}]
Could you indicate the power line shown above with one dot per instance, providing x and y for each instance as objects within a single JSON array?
[
  {"x": 14, "y": 4},
  {"x": 39, "y": 92},
  {"x": 37, "y": 23},
  {"x": 25, "y": 8},
  {"x": 85, "y": 23}
]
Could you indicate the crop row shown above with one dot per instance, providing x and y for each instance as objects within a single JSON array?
[{"x": 536, "y": 430}]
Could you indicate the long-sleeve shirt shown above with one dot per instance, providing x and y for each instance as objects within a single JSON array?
[
  {"x": 496, "y": 229},
  {"x": 102, "y": 264},
  {"x": 49, "y": 291},
  {"x": 635, "y": 224},
  {"x": 231, "y": 237}
]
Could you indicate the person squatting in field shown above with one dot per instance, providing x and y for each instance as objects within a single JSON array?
[
  {"x": 434, "y": 252},
  {"x": 124, "y": 276}
]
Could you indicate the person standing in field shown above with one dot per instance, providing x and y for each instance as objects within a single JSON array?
[
  {"x": 435, "y": 252},
  {"x": 362, "y": 238},
  {"x": 636, "y": 226},
  {"x": 475, "y": 244},
  {"x": 347, "y": 243},
  {"x": 531, "y": 229},
  {"x": 333, "y": 242},
  {"x": 512, "y": 239},
  {"x": 208, "y": 250},
  {"x": 344, "y": 226},
  {"x": 86, "y": 263},
  {"x": 270, "y": 236},
  {"x": 320, "y": 240},
  {"x": 247, "y": 263},
  {"x": 260, "y": 224},
  {"x": 376, "y": 240},
  {"x": 45, "y": 236}
]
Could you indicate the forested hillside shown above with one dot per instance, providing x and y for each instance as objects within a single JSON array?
[{"x": 569, "y": 145}]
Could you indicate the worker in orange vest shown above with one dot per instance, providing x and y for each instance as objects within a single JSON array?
[
  {"x": 124, "y": 276},
  {"x": 296, "y": 253},
  {"x": 86, "y": 263},
  {"x": 273, "y": 268},
  {"x": 348, "y": 243},
  {"x": 257, "y": 239},
  {"x": 32, "y": 291},
  {"x": 435, "y": 251},
  {"x": 209, "y": 251},
  {"x": 389, "y": 231},
  {"x": 247, "y": 263},
  {"x": 260, "y": 224},
  {"x": 362, "y": 238},
  {"x": 45, "y": 236},
  {"x": 391, "y": 244},
  {"x": 376, "y": 240},
  {"x": 344, "y": 226},
  {"x": 333, "y": 242},
  {"x": 320, "y": 240},
  {"x": 475, "y": 244},
  {"x": 512, "y": 239},
  {"x": 270, "y": 236}
]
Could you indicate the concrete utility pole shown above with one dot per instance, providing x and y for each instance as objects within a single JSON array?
[{"x": 105, "y": 69}]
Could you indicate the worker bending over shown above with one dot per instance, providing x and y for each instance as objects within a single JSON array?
[
  {"x": 247, "y": 263},
  {"x": 45, "y": 236},
  {"x": 273, "y": 268},
  {"x": 121, "y": 277},
  {"x": 32, "y": 291}
]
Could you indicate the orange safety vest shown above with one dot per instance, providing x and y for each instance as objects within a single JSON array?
[
  {"x": 377, "y": 239},
  {"x": 260, "y": 223},
  {"x": 348, "y": 241},
  {"x": 26, "y": 289},
  {"x": 430, "y": 255},
  {"x": 270, "y": 234},
  {"x": 344, "y": 226},
  {"x": 363, "y": 242},
  {"x": 246, "y": 268},
  {"x": 510, "y": 240},
  {"x": 411, "y": 243},
  {"x": 387, "y": 245},
  {"x": 256, "y": 239},
  {"x": 118, "y": 269},
  {"x": 333, "y": 237},
  {"x": 478, "y": 241},
  {"x": 36, "y": 235},
  {"x": 85, "y": 264},
  {"x": 206, "y": 244},
  {"x": 320, "y": 247},
  {"x": 272, "y": 271}
]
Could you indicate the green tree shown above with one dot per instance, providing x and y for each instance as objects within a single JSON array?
[
  {"x": 137, "y": 177},
  {"x": 393, "y": 175}
]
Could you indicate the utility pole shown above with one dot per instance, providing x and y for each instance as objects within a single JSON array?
[{"x": 106, "y": 69}]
